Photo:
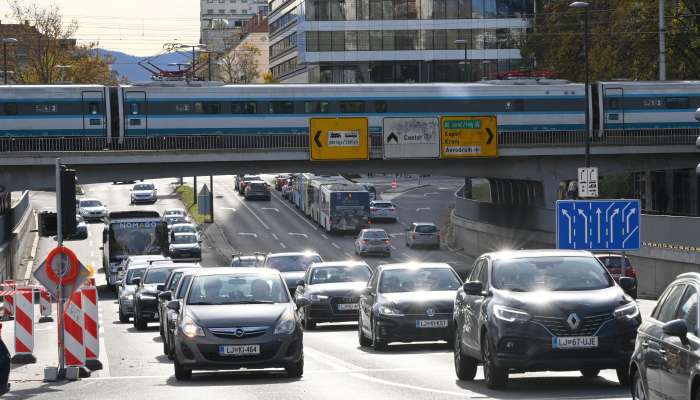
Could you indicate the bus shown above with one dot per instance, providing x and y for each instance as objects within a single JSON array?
[{"x": 344, "y": 207}]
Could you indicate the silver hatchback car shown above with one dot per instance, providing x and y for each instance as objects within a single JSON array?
[
  {"x": 423, "y": 234},
  {"x": 373, "y": 241}
]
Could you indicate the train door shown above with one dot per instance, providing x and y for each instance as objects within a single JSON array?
[
  {"x": 614, "y": 108},
  {"x": 94, "y": 120},
  {"x": 135, "y": 114}
]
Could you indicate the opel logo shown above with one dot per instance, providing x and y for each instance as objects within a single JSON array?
[
  {"x": 239, "y": 332},
  {"x": 430, "y": 312},
  {"x": 574, "y": 321}
]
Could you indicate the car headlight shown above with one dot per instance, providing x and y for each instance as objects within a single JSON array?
[
  {"x": 510, "y": 314},
  {"x": 389, "y": 310},
  {"x": 629, "y": 311},
  {"x": 286, "y": 323},
  {"x": 318, "y": 298},
  {"x": 190, "y": 328}
]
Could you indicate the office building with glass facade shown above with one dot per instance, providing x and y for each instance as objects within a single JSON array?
[{"x": 356, "y": 41}]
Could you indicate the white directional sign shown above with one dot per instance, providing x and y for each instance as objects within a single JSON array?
[
  {"x": 411, "y": 138},
  {"x": 588, "y": 182}
]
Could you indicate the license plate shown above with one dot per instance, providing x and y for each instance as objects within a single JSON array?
[
  {"x": 241, "y": 350},
  {"x": 348, "y": 307},
  {"x": 431, "y": 323},
  {"x": 575, "y": 342}
]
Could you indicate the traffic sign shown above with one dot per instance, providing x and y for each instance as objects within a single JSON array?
[
  {"x": 598, "y": 224},
  {"x": 468, "y": 136},
  {"x": 338, "y": 139},
  {"x": 68, "y": 287},
  {"x": 411, "y": 138},
  {"x": 588, "y": 182}
]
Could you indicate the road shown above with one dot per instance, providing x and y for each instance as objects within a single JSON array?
[{"x": 336, "y": 367}]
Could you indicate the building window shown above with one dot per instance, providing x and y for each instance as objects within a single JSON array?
[
  {"x": 210, "y": 1},
  {"x": 244, "y": 107},
  {"x": 221, "y": 1},
  {"x": 212, "y": 107},
  {"x": 352, "y": 107},
  {"x": 210, "y": 11},
  {"x": 281, "y": 107},
  {"x": 222, "y": 11},
  {"x": 380, "y": 106}
]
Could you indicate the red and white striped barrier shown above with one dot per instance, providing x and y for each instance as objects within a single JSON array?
[
  {"x": 92, "y": 326},
  {"x": 8, "y": 308},
  {"x": 73, "y": 344},
  {"x": 24, "y": 326},
  {"x": 45, "y": 305}
]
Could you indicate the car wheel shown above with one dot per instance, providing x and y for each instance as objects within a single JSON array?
[
  {"x": 623, "y": 376},
  {"x": 166, "y": 348},
  {"x": 161, "y": 332},
  {"x": 361, "y": 338},
  {"x": 182, "y": 373},
  {"x": 296, "y": 370},
  {"x": 123, "y": 318},
  {"x": 171, "y": 348},
  {"x": 639, "y": 391},
  {"x": 377, "y": 345},
  {"x": 138, "y": 323},
  {"x": 465, "y": 366},
  {"x": 496, "y": 378},
  {"x": 590, "y": 372}
]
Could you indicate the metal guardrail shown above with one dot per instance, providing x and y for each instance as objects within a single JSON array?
[{"x": 300, "y": 142}]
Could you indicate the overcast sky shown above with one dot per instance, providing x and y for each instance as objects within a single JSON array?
[{"x": 138, "y": 27}]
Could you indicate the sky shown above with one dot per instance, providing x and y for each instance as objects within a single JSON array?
[{"x": 137, "y": 27}]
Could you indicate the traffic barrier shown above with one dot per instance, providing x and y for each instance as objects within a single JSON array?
[
  {"x": 92, "y": 326},
  {"x": 45, "y": 305},
  {"x": 73, "y": 344},
  {"x": 8, "y": 308},
  {"x": 24, "y": 326}
]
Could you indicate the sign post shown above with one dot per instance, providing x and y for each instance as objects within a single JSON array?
[
  {"x": 607, "y": 225},
  {"x": 588, "y": 182}
]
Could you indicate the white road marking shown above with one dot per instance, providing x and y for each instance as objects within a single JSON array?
[
  {"x": 444, "y": 188},
  {"x": 255, "y": 235},
  {"x": 430, "y": 194},
  {"x": 303, "y": 218},
  {"x": 104, "y": 358},
  {"x": 422, "y": 209},
  {"x": 270, "y": 209},
  {"x": 335, "y": 245},
  {"x": 275, "y": 236},
  {"x": 393, "y": 247},
  {"x": 299, "y": 234},
  {"x": 348, "y": 255},
  {"x": 283, "y": 245},
  {"x": 324, "y": 236},
  {"x": 228, "y": 208},
  {"x": 255, "y": 215}
]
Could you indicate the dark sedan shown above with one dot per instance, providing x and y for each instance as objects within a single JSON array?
[
  {"x": 166, "y": 293},
  {"x": 146, "y": 295},
  {"x": 293, "y": 266},
  {"x": 333, "y": 290},
  {"x": 169, "y": 315},
  {"x": 408, "y": 302},
  {"x": 235, "y": 318},
  {"x": 542, "y": 310}
]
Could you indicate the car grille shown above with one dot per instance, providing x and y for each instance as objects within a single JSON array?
[
  {"x": 244, "y": 332},
  {"x": 211, "y": 353},
  {"x": 558, "y": 326},
  {"x": 420, "y": 309}
]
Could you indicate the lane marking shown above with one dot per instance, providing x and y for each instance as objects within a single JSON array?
[
  {"x": 283, "y": 245},
  {"x": 348, "y": 255},
  {"x": 302, "y": 217},
  {"x": 299, "y": 234},
  {"x": 254, "y": 214},
  {"x": 444, "y": 188},
  {"x": 228, "y": 208},
  {"x": 334, "y": 244},
  {"x": 422, "y": 209},
  {"x": 324, "y": 236},
  {"x": 430, "y": 194},
  {"x": 275, "y": 236},
  {"x": 270, "y": 209},
  {"x": 103, "y": 357},
  {"x": 255, "y": 235}
]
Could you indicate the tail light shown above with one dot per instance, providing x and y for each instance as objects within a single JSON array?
[
  {"x": 413, "y": 236},
  {"x": 630, "y": 272},
  {"x": 392, "y": 209}
]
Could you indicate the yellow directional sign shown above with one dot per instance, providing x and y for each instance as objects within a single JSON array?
[
  {"x": 338, "y": 139},
  {"x": 468, "y": 136}
]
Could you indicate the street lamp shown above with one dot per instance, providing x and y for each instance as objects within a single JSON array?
[
  {"x": 5, "y": 41},
  {"x": 585, "y": 6},
  {"x": 464, "y": 43}
]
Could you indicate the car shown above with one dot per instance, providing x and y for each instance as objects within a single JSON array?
[
  {"x": 542, "y": 310},
  {"x": 407, "y": 302},
  {"x": 287, "y": 191},
  {"x": 666, "y": 359},
  {"x": 257, "y": 190},
  {"x": 185, "y": 246},
  {"x": 382, "y": 210},
  {"x": 280, "y": 181},
  {"x": 373, "y": 241},
  {"x": 176, "y": 212},
  {"x": 243, "y": 182},
  {"x": 292, "y": 265},
  {"x": 169, "y": 318},
  {"x": 235, "y": 318},
  {"x": 81, "y": 229},
  {"x": 91, "y": 209},
  {"x": 144, "y": 193},
  {"x": 423, "y": 234},
  {"x": 333, "y": 290},
  {"x": 127, "y": 288},
  {"x": 146, "y": 294},
  {"x": 247, "y": 261},
  {"x": 131, "y": 261},
  {"x": 171, "y": 220},
  {"x": 167, "y": 292},
  {"x": 613, "y": 262},
  {"x": 186, "y": 228}
]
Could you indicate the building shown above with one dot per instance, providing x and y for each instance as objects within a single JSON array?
[
  {"x": 220, "y": 21},
  {"x": 254, "y": 38},
  {"x": 347, "y": 41}
]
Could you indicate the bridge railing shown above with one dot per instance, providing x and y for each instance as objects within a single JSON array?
[{"x": 300, "y": 143}]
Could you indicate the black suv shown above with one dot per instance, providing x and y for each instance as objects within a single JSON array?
[
  {"x": 146, "y": 295},
  {"x": 543, "y": 310}
]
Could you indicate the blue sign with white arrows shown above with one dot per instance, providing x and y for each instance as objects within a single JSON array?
[{"x": 598, "y": 224}]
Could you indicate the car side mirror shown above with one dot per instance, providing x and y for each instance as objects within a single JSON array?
[
  {"x": 173, "y": 305},
  {"x": 626, "y": 283},
  {"x": 136, "y": 281},
  {"x": 302, "y": 301},
  {"x": 474, "y": 288},
  {"x": 678, "y": 328},
  {"x": 165, "y": 296},
  {"x": 160, "y": 288}
]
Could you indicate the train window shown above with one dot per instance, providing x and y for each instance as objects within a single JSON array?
[
  {"x": 677, "y": 103},
  {"x": 349, "y": 107},
  {"x": 381, "y": 106},
  {"x": 244, "y": 107},
  {"x": 317, "y": 107},
  {"x": 198, "y": 107},
  {"x": 10, "y": 108},
  {"x": 212, "y": 107},
  {"x": 135, "y": 122},
  {"x": 93, "y": 108},
  {"x": 134, "y": 108},
  {"x": 183, "y": 107},
  {"x": 614, "y": 104},
  {"x": 281, "y": 107},
  {"x": 46, "y": 108}
]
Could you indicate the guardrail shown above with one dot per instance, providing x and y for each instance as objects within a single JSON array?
[{"x": 300, "y": 142}]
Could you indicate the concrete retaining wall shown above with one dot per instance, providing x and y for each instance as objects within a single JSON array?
[{"x": 16, "y": 248}]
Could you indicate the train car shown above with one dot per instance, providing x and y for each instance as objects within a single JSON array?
[{"x": 55, "y": 111}]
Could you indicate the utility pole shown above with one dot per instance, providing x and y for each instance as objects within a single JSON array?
[{"x": 662, "y": 41}]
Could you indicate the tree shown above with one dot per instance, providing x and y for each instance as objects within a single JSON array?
[
  {"x": 240, "y": 65},
  {"x": 88, "y": 66},
  {"x": 268, "y": 78}
]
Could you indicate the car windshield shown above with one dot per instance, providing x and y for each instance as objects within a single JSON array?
[
  {"x": 382, "y": 205},
  {"x": 90, "y": 203},
  {"x": 134, "y": 273},
  {"x": 183, "y": 228},
  {"x": 375, "y": 235},
  {"x": 418, "y": 279},
  {"x": 184, "y": 239},
  {"x": 156, "y": 276},
  {"x": 292, "y": 263},
  {"x": 246, "y": 262},
  {"x": 143, "y": 186},
  {"x": 426, "y": 229},
  {"x": 549, "y": 274},
  {"x": 237, "y": 289},
  {"x": 174, "y": 219},
  {"x": 174, "y": 212},
  {"x": 338, "y": 274}
]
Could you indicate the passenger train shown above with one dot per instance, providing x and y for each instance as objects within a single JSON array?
[{"x": 159, "y": 109}]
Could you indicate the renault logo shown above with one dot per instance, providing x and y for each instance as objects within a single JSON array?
[
  {"x": 574, "y": 321},
  {"x": 239, "y": 332},
  {"x": 430, "y": 312}
]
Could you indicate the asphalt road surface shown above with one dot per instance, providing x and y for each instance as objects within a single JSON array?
[{"x": 336, "y": 367}]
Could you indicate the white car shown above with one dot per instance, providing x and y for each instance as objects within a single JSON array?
[
  {"x": 186, "y": 228},
  {"x": 382, "y": 209},
  {"x": 173, "y": 212},
  {"x": 91, "y": 209},
  {"x": 144, "y": 193}
]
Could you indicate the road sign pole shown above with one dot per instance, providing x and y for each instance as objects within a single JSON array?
[
  {"x": 59, "y": 298},
  {"x": 623, "y": 265}
]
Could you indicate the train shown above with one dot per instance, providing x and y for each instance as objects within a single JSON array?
[{"x": 162, "y": 109}]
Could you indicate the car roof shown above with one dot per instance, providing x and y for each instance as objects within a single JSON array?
[
  {"x": 373, "y": 230},
  {"x": 174, "y": 209},
  {"x": 688, "y": 275},
  {"x": 382, "y": 201},
  {"x": 294, "y": 254},
  {"x": 236, "y": 271},
  {"x": 258, "y": 181},
  {"x": 178, "y": 234},
  {"x": 346, "y": 263},
  {"x": 507, "y": 254},
  {"x": 185, "y": 224},
  {"x": 168, "y": 266},
  {"x": 424, "y": 223},
  {"x": 88, "y": 199},
  {"x": 413, "y": 265},
  {"x": 187, "y": 268}
]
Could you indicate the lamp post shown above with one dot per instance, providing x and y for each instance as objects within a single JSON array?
[
  {"x": 5, "y": 42},
  {"x": 463, "y": 42},
  {"x": 586, "y": 6}
]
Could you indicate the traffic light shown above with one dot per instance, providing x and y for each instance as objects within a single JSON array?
[
  {"x": 47, "y": 224},
  {"x": 68, "y": 221}
]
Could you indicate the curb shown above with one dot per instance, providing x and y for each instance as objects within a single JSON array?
[{"x": 32, "y": 254}]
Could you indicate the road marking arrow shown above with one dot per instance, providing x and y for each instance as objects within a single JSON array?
[
  {"x": 255, "y": 235},
  {"x": 422, "y": 209},
  {"x": 299, "y": 234},
  {"x": 490, "y": 139},
  {"x": 585, "y": 224},
  {"x": 228, "y": 208},
  {"x": 270, "y": 208},
  {"x": 317, "y": 139}
]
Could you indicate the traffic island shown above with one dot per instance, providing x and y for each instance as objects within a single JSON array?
[{"x": 186, "y": 195}]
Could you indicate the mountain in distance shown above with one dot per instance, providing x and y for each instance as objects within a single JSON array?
[{"x": 126, "y": 65}]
